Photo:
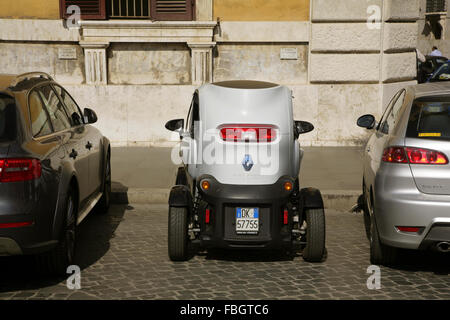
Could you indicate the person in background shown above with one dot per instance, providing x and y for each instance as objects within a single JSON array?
[{"x": 435, "y": 52}]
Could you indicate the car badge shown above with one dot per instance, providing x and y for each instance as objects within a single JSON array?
[{"x": 247, "y": 163}]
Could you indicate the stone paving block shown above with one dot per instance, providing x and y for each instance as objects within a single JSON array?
[{"x": 126, "y": 270}]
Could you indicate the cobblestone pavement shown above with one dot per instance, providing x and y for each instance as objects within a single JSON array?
[{"x": 123, "y": 255}]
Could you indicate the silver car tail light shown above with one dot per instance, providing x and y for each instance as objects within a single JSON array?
[
  {"x": 413, "y": 156},
  {"x": 248, "y": 133}
]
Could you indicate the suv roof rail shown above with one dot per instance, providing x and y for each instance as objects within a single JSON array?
[{"x": 29, "y": 75}]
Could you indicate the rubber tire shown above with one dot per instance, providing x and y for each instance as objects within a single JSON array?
[
  {"x": 178, "y": 234},
  {"x": 181, "y": 177},
  {"x": 104, "y": 203},
  {"x": 366, "y": 213},
  {"x": 381, "y": 254},
  {"x": 56, "y": 261},
  {"x": 315, "y": 235}
]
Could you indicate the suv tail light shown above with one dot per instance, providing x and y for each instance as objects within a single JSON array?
[
  {"x": 248, "y": 133},
  {"x": 413, "y": 155},
  {"x": 17, "y": 169}
]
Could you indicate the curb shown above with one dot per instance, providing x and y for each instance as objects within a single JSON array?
[{"x": 341, "y": 200}]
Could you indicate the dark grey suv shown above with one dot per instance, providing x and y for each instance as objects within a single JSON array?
[{"x": 54, "y": 169}]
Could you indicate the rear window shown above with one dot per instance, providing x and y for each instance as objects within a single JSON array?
[
  {"x": 430, "y": 118},
  {"x": 7, "y": 118}
]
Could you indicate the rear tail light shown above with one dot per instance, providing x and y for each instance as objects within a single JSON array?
[
  {"x": 205, "y": 185},
  {"x": 409, "y": 229},
  {"x": 15, "y": 169},
  {"x": 15, "y": 224},
  {"x": 207, "y": 216},
  {"x": 425, "y": 156},
  {"x": 413, "y": 155},
  {"x": 288, "y": 186},
  {"x": 285, "y": 216},
  {"x": 248, "y": 133},
  {"x": 394, "y": 154}
]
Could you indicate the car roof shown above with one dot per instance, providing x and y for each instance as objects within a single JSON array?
[
  {"x": 245, "y": 84},
  {"x": 20, "y": 82},
  {"x": 431, "y": 89},
  {"x": 435, "y": 57}
]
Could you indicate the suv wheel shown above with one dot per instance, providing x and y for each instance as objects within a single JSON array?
[
  {"x": 104, "y": 202},
  {"x": 58, "y": 259}
]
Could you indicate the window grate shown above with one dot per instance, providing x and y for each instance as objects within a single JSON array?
[
  {"x": 90, "y": 9},
  {"x": 172, "y": 9},
  {"x": 134, "y": 9},
  {"x": 171, "y": 6},
  {"x": 131, "y": 9},
  {"x": 436, "y": 6}
]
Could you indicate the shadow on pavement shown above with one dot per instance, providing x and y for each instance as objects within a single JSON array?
[
  {"x": 119, "y": 194},
  {"x": 93, "y": 236},
  {"x": 424, "y": 261},
  {"x": 246, "y": 255}
]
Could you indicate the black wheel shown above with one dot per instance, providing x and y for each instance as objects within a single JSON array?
[
  {"x": 178, "y": 234},
  {"x": 104, "y": 202},
  {"x": 315, "y": 235},
  {"x": 380, "y": 254},
  {"x": 58, "y": 259}
]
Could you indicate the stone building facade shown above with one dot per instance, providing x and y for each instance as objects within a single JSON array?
[
  {"x": 341, "y": 58},
  {"x": 434, "y": 26}
]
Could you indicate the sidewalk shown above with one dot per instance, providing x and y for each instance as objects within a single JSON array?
[{"x": 145, "y": 175}]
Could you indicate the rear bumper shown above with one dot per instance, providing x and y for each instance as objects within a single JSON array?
[
  {"x": 223, "y": 199},
  {"x": 438, "y": 233},
  {"x": 409, "y": 207},
  {"x": 25, "y": 240},
  {"x": 33, "y": 202},
  {"x": 9, "y": 247},
  {"x": 33, "y": 238}
]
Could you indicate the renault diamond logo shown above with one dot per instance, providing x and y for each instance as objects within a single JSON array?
[{"x": 247, "y": 163}]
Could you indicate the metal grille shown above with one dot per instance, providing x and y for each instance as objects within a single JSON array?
[
  {"x": 436, "y": 6},
  {"x": 129, "y": 9},
  {"x": 172, "y": 9},
  {"x": 171, "y": 6},
  {"x": 90, "y": 9}
]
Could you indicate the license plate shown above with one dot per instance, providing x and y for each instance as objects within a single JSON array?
[{"x": 247, "y": 220}]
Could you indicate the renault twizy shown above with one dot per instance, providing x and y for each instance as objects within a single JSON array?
[{"x": 238, "y": 187}]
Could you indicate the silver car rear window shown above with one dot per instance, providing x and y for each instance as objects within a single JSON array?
[
  {"x": 7, "y": 118},
  {"x": 430, "y": 118}
]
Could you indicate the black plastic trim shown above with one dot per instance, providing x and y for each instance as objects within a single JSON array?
[{"x": 180, "y": 196}]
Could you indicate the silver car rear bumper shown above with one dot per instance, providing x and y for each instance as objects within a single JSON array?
[{"x": 398, "y": 202}]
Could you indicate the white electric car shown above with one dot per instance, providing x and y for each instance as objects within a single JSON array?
[{"x": 238, "y": 187}]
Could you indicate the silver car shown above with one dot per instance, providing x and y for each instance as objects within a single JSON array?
[
  {"x": 238, "y": 187},
  {"x": 406, "y": 179}
]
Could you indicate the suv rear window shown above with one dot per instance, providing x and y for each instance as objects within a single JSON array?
[
  {"x": 7, "y": 118},
  {"x": 430, "y": 118}
]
